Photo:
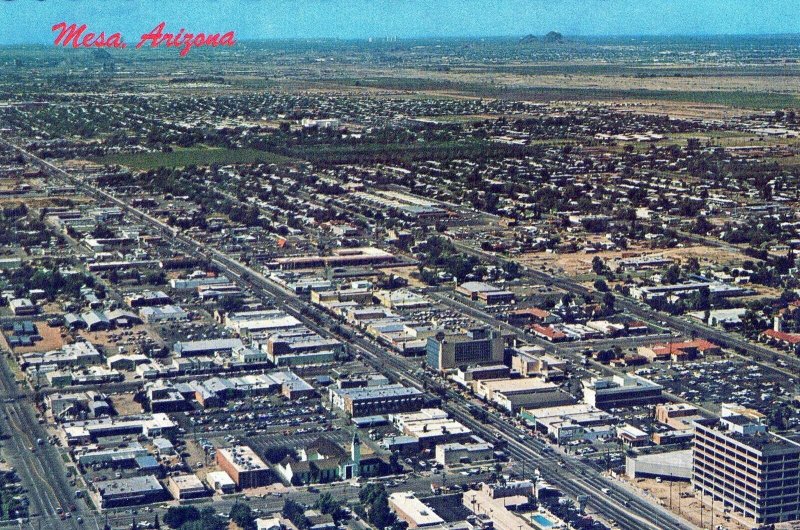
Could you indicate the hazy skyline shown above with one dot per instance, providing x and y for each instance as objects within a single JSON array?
[{"x": 29, "y": 21}]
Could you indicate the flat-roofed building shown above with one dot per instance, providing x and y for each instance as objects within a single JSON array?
[
  {"x": 476, "y": 346},
  {"x": 221, "y": 482},
  {"x": 620, "y": 391},
  {"x": 513, "y": 394},
  {"x": 343, "y": 257},
  {"x": 410, "y": 509},
  {"x": 23, "y": 306},
  {"x": 130, "y": 491},
  {"x": 431, "y": 427},
  {"x": 188, "y": 486},
  {"x": 753, "y": 472},
  {"x": 464, "y": 452},
  {"x": 671, "y": 465},
  {"x": 244, "y": 466},
  {"x": 383, "y": 399},
  {"x": 206, "y": 347}
]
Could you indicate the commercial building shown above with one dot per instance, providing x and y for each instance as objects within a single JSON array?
[
  {"x": 467, "y": 375},
  {"x": 460, "y": 453},
  {"x": 206, "y": 347},
  {"x": 266, "y": 322},
  {"x": 751, "y": 471},
  {"x": 383, "y": 399},
  {"x": 343, "y": 257},
  {"x": 679, "y": 351},
  {"x": 244, "y": 466},
  {"x": 548, "y": 367},
  {"x": 130, "y": 491},
  {"x": 301, "y": 346},
  {"x": 431, "y": 427},
  {"x": 152, "y": 425},
  {"x": 112, "y": 457},
  {"x": 410, "y": 509},
  {"x": 186, "y": 487},
  {"x": 148, "y": 299},
  {"x": 477, "y": 346},
  {"x": 167, "y": 313},
  {"x": 672, "y": 465},
  {"x": 620, "y": 391},
  {"x": 486, "y": 293},
  {"x": 221, "y": 482},
  {"x": 69, "y": 356},
  {"x": 571, "y": 422},
  {"x": 513, "y": 394}
]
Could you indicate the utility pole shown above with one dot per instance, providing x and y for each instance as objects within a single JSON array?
[
  {"x": 670, "y": 495},
  {"x": 712, "y": 510},
  {"x": 702, "y": 505}
]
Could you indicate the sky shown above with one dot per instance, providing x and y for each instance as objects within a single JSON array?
[{"x": 30, "y": 21}]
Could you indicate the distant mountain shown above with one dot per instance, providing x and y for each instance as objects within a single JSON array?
[
  {"x": 102, "y": 56},
  {"x": 554, "y": 36},
  {"x": 551, "y": 37}
]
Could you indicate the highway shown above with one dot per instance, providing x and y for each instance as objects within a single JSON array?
[
  {"x": 42, "y": 470},
  {"x": 628, "y": 510}
]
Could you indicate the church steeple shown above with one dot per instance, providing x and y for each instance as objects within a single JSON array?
[{"x": 355, "y": 454}]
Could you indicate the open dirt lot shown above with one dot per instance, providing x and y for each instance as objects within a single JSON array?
[
  {"x": 581, "y": 263},
  {"x": 125, "y": 405},
  {"x": 687, "y": 506}
]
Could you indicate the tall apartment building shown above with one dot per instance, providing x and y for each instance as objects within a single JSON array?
[
  {"x": 751, "y": 471},
  {"x": 476, "y": 346}
]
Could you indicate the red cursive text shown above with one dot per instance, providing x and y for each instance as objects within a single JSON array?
[
  {"x": 74, "y": 35},
  {"x": 185, "y": 41}
]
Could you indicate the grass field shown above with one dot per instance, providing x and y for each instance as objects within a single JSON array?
[
  {"x": 397, "y": 153},
  {"x": 193, "y": 156}
]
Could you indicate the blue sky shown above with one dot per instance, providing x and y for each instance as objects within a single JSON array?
[{"x": 26, "y": 21}]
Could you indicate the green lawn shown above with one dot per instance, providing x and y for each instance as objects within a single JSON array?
[{"x": 192, "y": 156}]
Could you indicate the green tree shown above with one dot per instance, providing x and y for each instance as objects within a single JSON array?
[
  {"x": 598, "y": 266},
  {"x": 327, "y": 504},
  {"x": 242, "y": 515},
  {"x": 601, "y": 285},
  {"x": 177, "y": 516}
]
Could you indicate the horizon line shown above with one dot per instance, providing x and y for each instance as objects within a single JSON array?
[{"x": 380, "y": 38}]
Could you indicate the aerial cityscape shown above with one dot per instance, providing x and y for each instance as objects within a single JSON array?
[{"x": 529, "y": 282}]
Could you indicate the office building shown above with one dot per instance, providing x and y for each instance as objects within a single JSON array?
[
  {"x": 244, "y": 466},
  {"x": 749, "y": 470},
  {"x": 476, "y": 346},
  {"x": 383, "y": 399},
  {"x": 620, "y": 391}
]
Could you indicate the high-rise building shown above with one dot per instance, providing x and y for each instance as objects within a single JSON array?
[
  {"x": 476, "y": 346},
  {"x": 749, "y": 470}
]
